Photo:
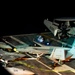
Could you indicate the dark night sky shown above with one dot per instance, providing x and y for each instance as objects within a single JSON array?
[{"x": 29, "y": 19}]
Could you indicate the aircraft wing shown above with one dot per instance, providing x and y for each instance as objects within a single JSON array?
[
  {"x": 10, "y": 55},
  {"x": 3, "y": 45},
  {"x": 42, "y": 49},
  {"x": 48, "y": 48},
  {"x": 54, "y": 52}
]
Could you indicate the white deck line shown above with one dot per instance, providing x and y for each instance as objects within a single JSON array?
[{"x": 17, "y": 40}]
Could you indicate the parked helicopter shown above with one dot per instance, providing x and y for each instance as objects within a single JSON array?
[{"x": 61, "y": 27}]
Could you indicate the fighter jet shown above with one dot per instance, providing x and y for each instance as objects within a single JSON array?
[
  {"x": 61, "y": 27},
  {"x": 54, "y": 53}
]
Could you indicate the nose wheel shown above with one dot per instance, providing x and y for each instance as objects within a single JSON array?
[{"x": 60, "y": 63}]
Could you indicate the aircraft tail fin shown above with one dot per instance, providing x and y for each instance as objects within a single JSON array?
[
  {"x": 72, "y": 50},
  {"x": 51, "y": 27}
]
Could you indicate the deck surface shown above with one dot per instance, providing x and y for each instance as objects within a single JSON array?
[{"x": 43, "y": 66}]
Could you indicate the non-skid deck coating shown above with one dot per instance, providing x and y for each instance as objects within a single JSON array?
[{"x": 43, "y": 66}]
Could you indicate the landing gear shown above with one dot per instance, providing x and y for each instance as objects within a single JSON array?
[{"x": 53, "y": 64}]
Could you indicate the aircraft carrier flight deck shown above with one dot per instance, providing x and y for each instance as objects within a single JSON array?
[{"x": 28, "y": 61}]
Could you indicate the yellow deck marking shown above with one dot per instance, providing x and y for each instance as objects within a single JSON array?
[{"x": 63, "y": 68}]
